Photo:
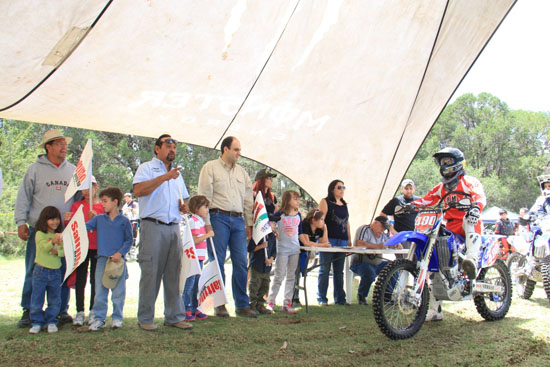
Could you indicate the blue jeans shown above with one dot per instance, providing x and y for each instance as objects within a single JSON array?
[
  {"x": 118, "y": 293},
  {"x": 190, "y": 292},
  {"x": 368, "y": 274},
  {"x": 30, "y": 254},
  {"x": 45, "y": 281},
  {"x": 231, "y": 232},
  {"x": 327, "y": 259}
]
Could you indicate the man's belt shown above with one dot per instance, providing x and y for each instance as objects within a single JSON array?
[
  {"x": 231, "y": 214},
  {"x": 158, "y": 221}
]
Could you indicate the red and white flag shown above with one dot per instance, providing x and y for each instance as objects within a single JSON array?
[
  {"x": 81, "y": 178},
  {"x": 75, "y": 242},
  {"x": 211, "y": 289},
  {"x": 189, "y": 260}
]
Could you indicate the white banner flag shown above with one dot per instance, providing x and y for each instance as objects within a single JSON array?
[
  {"x": 211, "y": 289},
  {"x": 189, "y": 259},
  {"x": 75, "y": 242},
  {"x": 261, "y": 226},
  {"x": 82, "y": 173}
]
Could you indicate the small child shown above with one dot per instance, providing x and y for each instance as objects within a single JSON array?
[
  {"x": 288, "y": 250},
  {"x": 47, "y": 276},
  {"x": 261, "y": 260},
  {"x": 91, "y": 259},
  {"x": 198, "y": 205},
  {"x": 114, "y": 239}
]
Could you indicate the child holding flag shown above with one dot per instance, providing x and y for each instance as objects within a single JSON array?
[
  {"x": 288, "y": 250},
  {"x": 198, "y": 205},
  {"x": 114, "y": 239},
  {"x": 263, "y": 254},
  {"x": 91, "y": 258},
  {"x": 47, "y": 275}
]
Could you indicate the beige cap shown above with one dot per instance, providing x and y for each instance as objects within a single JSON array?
[{"x": 113, "y": 272}]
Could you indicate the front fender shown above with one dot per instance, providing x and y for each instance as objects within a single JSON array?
[{"x": 406, "y": 236}]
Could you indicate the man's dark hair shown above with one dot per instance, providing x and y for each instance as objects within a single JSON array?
[
  {"x": 159, "y": 140},
  {"x": 226, "y": 143},
  {"x": 113, "y": 193}
]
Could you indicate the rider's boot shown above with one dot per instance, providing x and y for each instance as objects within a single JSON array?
[
  {"x": 473, "y": 241},
  {"x": 434, "y": 313}
]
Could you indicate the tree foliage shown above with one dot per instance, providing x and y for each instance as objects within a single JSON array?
[
  {"x": 506, "y": 149},
  {"x": 116, "y": 159}
]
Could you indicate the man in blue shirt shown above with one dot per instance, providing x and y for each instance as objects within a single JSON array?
[{"x": 161, "y": 191}]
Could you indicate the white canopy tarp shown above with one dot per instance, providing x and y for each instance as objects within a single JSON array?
[{"x": 317, "y": 90}]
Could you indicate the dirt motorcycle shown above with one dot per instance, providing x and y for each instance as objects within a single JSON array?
[
  {"x": 533, "y": 265},
  {"x": 401, "y": 297}
]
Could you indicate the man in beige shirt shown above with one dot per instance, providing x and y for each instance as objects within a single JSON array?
[{"x": 229, "y": 189}]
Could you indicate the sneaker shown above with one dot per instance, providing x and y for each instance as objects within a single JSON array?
[
  {"x": 64, "y": 318},
  {"x": 97, "y": 325},
  {"x": 287, "y": 307},
  {"x": 296, "y": 303},
  {"x": 25, "y": 320},
  {"x": 322, "y": 303},
  {"x": 201, "y": 316},
  {"x": 270, "y": 307},
  {"x": 189, "y": 316},
  {"x": 79, "y": 319},
  {"x": 362, "y": 300},
  {"x": 35, "y": 329},
  {"x": 116, "y": 324},
  {"x": 91, "y": 318},
  {"x": 52, "y": 328}
]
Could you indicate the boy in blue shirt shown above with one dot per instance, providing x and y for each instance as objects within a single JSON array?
[{"x": 114, "y": 239}]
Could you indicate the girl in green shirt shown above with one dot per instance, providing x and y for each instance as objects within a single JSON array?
[{"x": 47, "y": 276}]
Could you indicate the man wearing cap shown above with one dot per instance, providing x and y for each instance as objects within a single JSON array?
[
  {"x": 162, "y": 192},
  {"x": 229, "y": 190},
  {"x": 44, "y": 184},
  {"x": 368, "y": 267},
  {"x": 402, "y": 222}
]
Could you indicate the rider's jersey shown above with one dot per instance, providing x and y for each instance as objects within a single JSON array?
[{"x": 455, "y": 217}]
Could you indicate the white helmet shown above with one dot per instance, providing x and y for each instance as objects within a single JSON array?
[{"x": 542, "y": 180}]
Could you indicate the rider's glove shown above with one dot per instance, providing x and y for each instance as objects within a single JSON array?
[{"x": 473, "y": 215}]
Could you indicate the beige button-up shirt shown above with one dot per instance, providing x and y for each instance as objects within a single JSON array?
[{"x": 227, "y": 188}]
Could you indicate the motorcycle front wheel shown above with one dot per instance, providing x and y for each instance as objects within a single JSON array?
[
  {"x": 524, "y": 286},
  {"x": 494, "y": 306},
  {"x": 545, "y": 270},
  {"x": 397, "y": 314}
]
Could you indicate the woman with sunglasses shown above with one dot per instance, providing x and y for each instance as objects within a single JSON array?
[{"x": 338, "y": 236}]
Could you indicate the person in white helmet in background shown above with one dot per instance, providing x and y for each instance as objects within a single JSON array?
[{"x": 542, "y": 204}]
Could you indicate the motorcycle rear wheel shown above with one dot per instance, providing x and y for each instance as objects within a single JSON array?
[
  {"x": 493, "y": 306},
  {"x": 524, "y": 285},
  {"x": 395, "y": 315}
]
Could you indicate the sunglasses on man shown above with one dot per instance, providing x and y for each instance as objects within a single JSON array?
[{"x": 167, "y": 141}]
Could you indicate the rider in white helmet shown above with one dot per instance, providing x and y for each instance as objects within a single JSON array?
[
  {"x": 453, "y": 178},
  {"x": 542, "y": 204}
]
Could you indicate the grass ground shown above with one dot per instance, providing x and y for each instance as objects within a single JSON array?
[{"x": 326, "y": 336}]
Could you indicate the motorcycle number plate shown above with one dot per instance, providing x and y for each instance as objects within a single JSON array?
[{"x": 425, "y": 221}]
